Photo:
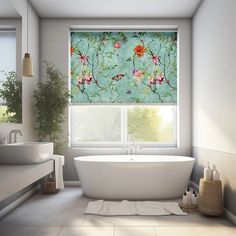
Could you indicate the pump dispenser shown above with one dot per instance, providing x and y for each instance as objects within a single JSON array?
[
  {"x": 189, "y": 196},
  {"x": 208, "y": 172},
  {"x": 194, "y": 198},
  {"x": 216, "y": 175},
  {"x": 185, "y": 200}
]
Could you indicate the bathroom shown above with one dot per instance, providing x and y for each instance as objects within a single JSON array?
[{"x": 198, "y": 119}]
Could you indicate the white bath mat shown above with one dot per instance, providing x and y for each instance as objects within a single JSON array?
[{"x": 147, "y": 208}]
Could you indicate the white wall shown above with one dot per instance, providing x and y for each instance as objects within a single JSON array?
[
  {"x": 5, "y": 128},
  {"x": 28, "y": 84},
  {"x": 214, "y": 96},
  {"x": 55, "y": 45},
  {"x": 214, "y": 81}
]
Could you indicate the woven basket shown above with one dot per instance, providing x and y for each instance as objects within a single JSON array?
[
  {"x": 210, "y": 197},
  {"x": 49, "y": 186}
]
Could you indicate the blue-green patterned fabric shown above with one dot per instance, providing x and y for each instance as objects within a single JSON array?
[{"x": 123, "y": 67}]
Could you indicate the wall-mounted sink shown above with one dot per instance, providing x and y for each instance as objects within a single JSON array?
[{"x": 25, "y": 153}]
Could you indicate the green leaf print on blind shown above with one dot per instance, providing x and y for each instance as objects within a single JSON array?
[{"x": 123, "y": 67}]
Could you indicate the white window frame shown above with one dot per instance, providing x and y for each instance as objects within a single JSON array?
[
  {"x": 124, "y": 127},
  {"x": 7, "y": 31},
  {"x": 128, "y": 28}
]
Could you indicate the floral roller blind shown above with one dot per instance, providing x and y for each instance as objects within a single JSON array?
[{"x": 123, "y": 67}]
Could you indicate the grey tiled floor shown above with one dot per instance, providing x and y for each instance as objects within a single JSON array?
[{"x": 61, "y": 214}]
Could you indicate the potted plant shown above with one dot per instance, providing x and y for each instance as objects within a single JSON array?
[{"x": 51, "y": 99}]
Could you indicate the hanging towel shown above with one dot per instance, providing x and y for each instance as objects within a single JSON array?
[
  {"x": 148, "y": 208},
  {"x": 58, "y": 169}
]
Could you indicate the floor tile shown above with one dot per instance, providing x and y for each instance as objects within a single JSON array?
[
  {"x": 176, "y": 231},
  {"x": 134, "y": 231},
  {"x": 193, "y": 219},
  {"x": 216, "y": 231},
  {"x": 80, "y": 207},
  {"x": 39, "y": 202},
  {"x": 17, "y": 231},
  {"x": 93, "y": 220},
  {"x": 83, "y": 202},
  {"x": 86, "y": 231},
  {"x": 47, "y": 231},
  {"x": 62, "y": 213},
  {"x": 33, "y": 219},
  {"x": 74, "y": 220}
]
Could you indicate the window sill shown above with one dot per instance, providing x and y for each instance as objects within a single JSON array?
[
  {"x": 171, "y": 147},
  {"x": 121, "y": 145}
]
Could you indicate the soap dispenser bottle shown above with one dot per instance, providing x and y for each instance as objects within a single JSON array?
[
  {"x": 216, "y": 175},
  {"x": 194, "y": 199},
  {"x": 185, "y": 200},
  {"x": 189, "y": 196},
  {"x": 208, "y": 172}
]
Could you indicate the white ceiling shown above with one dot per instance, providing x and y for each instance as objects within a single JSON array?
[
  {"x": 115, "y": 8},
  {"x": 7, "y": 10},
  {"x": 106, "y": 8}
]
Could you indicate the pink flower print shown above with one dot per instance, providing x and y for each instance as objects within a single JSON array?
[
  {"x": 152, "y": 80},
  {"x": 138, "y": 74},
  {"x": 117, "y": 45},
  {"x": 155, "y": 59},
  {"x": 83, "y": 59},
  {"x": 88, "y": 79},
  {"x": 134, "y": 71},
  {"x": 80, "y": 81},
  {"x": 160, "y": 79}
]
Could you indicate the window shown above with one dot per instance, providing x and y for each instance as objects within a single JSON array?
[
  {"x": 7, "y": 55},
  {"x": 123, "y": 86},
  {"x": 7, "y": 62},
  {"x": 112, "y": 125}
]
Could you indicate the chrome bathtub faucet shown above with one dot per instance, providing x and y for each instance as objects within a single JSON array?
[
  {"x": 132, "y": 147},
  {"x": 14, "y": 132}
]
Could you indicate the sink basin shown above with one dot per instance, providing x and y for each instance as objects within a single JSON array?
[{"x": 25, "y": 153}]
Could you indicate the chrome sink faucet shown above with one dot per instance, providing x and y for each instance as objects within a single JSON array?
[{"x": 14, "y": 132}]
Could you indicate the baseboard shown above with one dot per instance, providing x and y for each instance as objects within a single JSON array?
[
  {"x": 71, "y": 183},
  {"x": 230, "y": 216},
  {"x": 17, "y": 202}
]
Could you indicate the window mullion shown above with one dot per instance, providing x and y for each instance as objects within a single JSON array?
[
  {"x": 126, "y": 122},
  {"x": 123, "y": 124}
]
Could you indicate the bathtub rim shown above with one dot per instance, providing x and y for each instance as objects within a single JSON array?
[{"x": 133, "y": 159}]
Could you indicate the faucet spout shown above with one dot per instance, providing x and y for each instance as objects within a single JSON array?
[
  {"x": 131, "y": 147},
  {"x": 14, "y": 133}
]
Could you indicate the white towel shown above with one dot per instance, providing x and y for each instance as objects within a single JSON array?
[
  {"x": 95, "y": 206},
  {"x": 59, "y": 163},
  {"x": 148, "y": 208},
  {"x": 111, "y": 208},
  {"x": 151, "y": 208}
]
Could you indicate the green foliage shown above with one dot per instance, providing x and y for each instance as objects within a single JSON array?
[
  {"x": 143, "y": 124},
  {"x": 11, "y": 93},
  {"x": 51, "y": 99},
  {"x": 143, "y": 65},
  {"x": 3, "y": 117},
  {"x": 146, "y": 125}
]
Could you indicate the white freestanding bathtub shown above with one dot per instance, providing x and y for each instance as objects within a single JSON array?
[{"x": 139, "y": 177}]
